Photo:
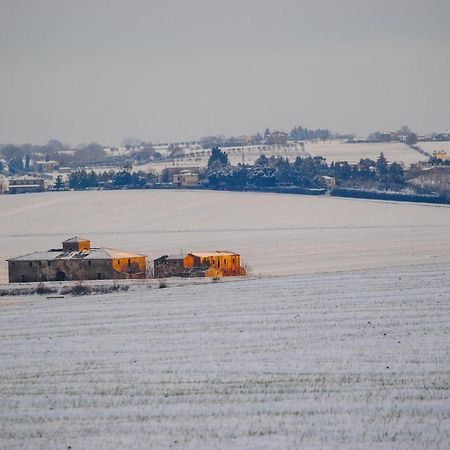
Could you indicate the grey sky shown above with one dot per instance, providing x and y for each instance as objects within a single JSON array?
[{"x": 164, "y": 70}]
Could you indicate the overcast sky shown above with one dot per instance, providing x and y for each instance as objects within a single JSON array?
[{"x": 159, "y": 70}]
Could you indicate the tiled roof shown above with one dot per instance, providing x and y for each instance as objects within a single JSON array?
[
  {"x": 214, "y": 253},
  {"x": 74, "y": 240},
  {"x": 93, "y": 253}
]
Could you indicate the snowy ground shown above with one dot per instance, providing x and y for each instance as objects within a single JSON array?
[
  {"x": 430, "y": 147},
  {"x": 341, "y": 151},
  {"x": 344, "y": 360},
  {"x": 275, "y": 234},
  {"x": 331, "y": 150}
]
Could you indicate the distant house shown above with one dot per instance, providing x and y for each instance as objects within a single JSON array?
[
  {"x": 277, "y": 138},
  {"x": 440, "y": 155},
  {"x": 330, "y": 182},
  {"x": 170, "y": 174},
  {"x": 185, "y": 179},
  {"x": 209, "y": 264},
  {"x": 76, "y": 260},
  {"x": 47, "y": 166},
  {"x": 26, "y": 184}
]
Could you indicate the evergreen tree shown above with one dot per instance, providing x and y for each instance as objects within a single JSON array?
[
  {"x": 396, "y": 174},
  {"x": 218, "y": 156},
  {"x": 27, "y": 162},
  {"x": 15, "y": 165},
  {"x": 59, "y": 183}
]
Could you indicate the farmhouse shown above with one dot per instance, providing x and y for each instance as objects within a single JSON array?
[
  {"x": 24, "y": 184},
  {"x": 172, "y": 175},
  {"x": 76, "y": 260},
  {"x": 209, "y": 264},
  {"x": 440, "y": 155},
  {"x": 186, "y": 179},
  {"x": 330, "y": 182}
]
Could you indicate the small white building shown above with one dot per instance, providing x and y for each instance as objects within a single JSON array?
[{"x": 330, "y": 182}]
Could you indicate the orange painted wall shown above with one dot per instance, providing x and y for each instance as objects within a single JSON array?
[
  {"x": 130, "y": 265},
  {"x": 228, "y": 265}
]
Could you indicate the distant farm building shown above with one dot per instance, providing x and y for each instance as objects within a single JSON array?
[
  {"x": 210, "y": 264},
  {"x": 47, "y": 166},
  {"x": 178, "y": 175},
  {"x": 185, "y": 179},
  {"x": 26, "y": 184},
  {"x": 330, "y": 182},
  {"x": 277, "y": 138},
  {"x": 440, "y": 155},
  {"x": 76, "y": 260}
]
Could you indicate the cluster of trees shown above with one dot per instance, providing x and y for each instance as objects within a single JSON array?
[
  {"x": 439, "y": 162},
  {"x": 81, "y": 179},
  {"x": 297, "y": 134},
  {"x": 403, "y": 134},
  {"x": 302, "y": 172},
  {"x": 23, "y": 158},
  {"x": 303, "y": 134}
]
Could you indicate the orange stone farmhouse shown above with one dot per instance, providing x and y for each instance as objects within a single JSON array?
[
  {"x": 211, "y": 264},
  {"x": 77, "y": 260}
]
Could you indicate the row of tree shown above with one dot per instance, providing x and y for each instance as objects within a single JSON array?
[
  {"x": 81, "y": 179},
  {"x": 302, "y": 172}
]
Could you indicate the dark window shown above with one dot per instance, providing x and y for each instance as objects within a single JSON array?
[
  {"x": 40, "y": 263},
  {"x": 22, "y": 278},
  {"x": 48, "y": 262},
  {"x": 218, "y": 263},
  {"x": 99, "y": 276},
  {"x": 129, "y": 262},
  {"x": 90, "y": 263},
  {"x": 118, "y": 262},
  {"x": 30, "y": 263}
]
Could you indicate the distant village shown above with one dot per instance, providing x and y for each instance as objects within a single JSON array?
[{"x": 273, "y": 161}]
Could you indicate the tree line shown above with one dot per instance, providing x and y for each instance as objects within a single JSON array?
[
  {"x": 124, "y": 178},
  {"x": 302, "y": 172}
]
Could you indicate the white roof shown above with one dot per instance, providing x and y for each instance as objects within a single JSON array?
[{"x": 93, "y": 253}]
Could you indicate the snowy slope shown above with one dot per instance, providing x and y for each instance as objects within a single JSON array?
[
  {"x": 275, "y": 234},
  {"x": 355, "y": 360}
]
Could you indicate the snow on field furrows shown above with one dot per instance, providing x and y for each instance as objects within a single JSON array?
[{"x": 344, "y": 360}]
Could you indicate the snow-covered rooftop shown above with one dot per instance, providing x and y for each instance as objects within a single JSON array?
[{"x": 93, "y": 253}]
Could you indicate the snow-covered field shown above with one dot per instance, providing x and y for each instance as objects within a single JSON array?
[
  {"x": 331, "y": 150},
  {"x": 296, "y": 358},
  {"x": 430, "y": 147},
  {"x": 344, "y": 360},
  {"x": 341, "y": 151},
  {"x": 275, "y": 234}
]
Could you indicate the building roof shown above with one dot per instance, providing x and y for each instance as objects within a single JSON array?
[
  {"x": 26, "y": 177},
  {"x": 74, "y": 240},
  {"x": 170, "y": 257},
  {"x": 214, "y": 253},
  {"x": 24, "y": 186},
  {"x": 93, "y": 253}
]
